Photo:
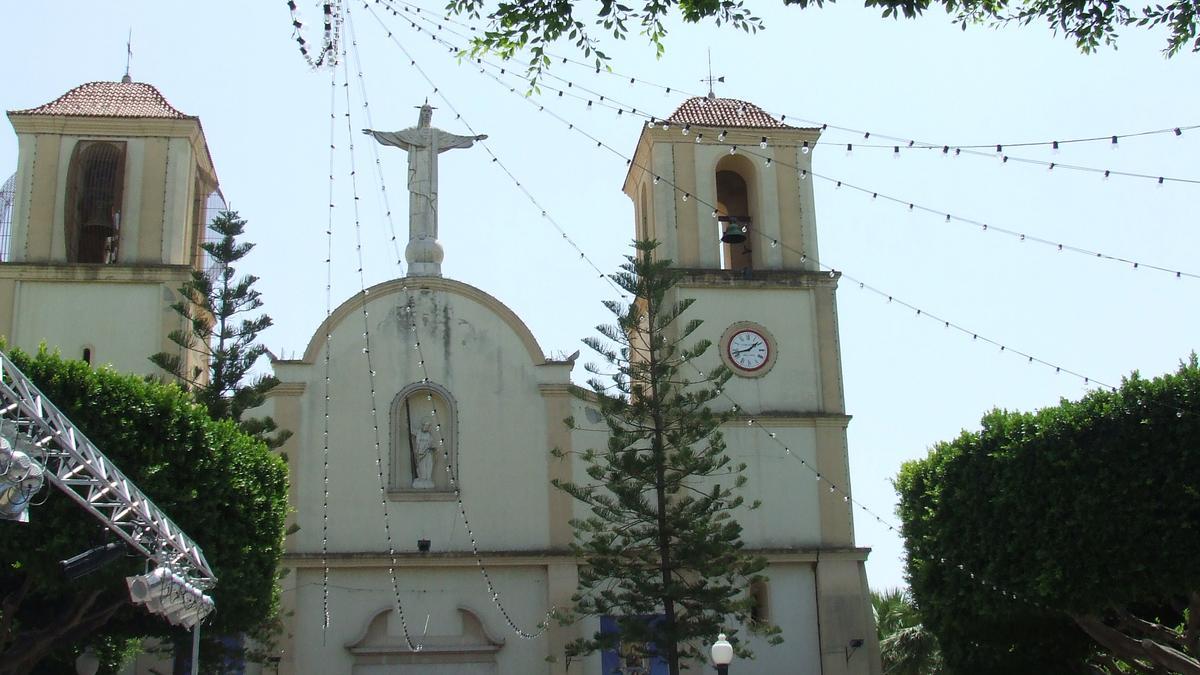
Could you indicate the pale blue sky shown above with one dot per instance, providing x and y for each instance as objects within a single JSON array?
[{"x": 909, "y": 382}]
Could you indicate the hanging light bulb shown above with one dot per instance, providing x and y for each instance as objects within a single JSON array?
[
  {"x": 721, "y": 136},
  {"x": 849, "y": 149},
  {"x": 656, "y": 179},
  {"x": 763, "y": 143},
  {"x": 699, "y": 137},
  {"x": 804, "y": 148},
  {"x": 685, "y": 196},
  {"x": 768, "y": 161},
  {"x": 686, "y": 129},
  {"x": 1114, "y": 145},
  {"x": 733, "y": 149},
  {"x": 895, "y": 152},
  {"x": 1054, "y": 147},
  {"x": 803, "y": 174}
]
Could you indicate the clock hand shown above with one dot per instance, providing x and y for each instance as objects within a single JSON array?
[{"x": 753, "y": 346}]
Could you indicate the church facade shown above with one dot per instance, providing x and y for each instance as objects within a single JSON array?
[{"x": 428, "y": 400}]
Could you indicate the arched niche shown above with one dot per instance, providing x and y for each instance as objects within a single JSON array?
[
  {"x": 95, "y": 187},
  {"x": 736, "y": 190},
  {"x": 424, "y": 432}
]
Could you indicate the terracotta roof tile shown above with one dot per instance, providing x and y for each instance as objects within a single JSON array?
[
  {"x": 109, "y": 99},
  {"x": 724, "y": 112}
]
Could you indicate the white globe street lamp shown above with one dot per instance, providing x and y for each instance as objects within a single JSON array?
[
  {"x": 88, "y": 662},
  {"x": 722, "y": 654}
]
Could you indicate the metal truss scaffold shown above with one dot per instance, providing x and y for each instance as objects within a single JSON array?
[{"x": 77, "y": 467}]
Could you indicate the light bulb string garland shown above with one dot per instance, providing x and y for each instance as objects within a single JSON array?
[
  {"x": 875, "y": 194},
  {"x": 358, "y": 245},
  {"x": 492, "y": 590},
  {"x": 325, "y": 615},
  {"x": 949, "y": 217},
  {"x": 601, "y": 100},
  {"x": 328, "y": 51},
  {"x": 366, "y": 106},
  {"x": 847, "y": 498},
  {"x": 896, "y": 146},
  {"x": 685, "y": 195},
  {"x": 484, "y": 144},
  {"x": 895, "y": 142}
]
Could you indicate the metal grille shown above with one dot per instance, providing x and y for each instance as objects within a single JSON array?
[{"x": 8, "y": 195}]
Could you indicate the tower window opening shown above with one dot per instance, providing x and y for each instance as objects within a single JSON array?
[
  {"x": 760, "y": 603},
  {"x": 735, "y": 224},
  {"x": 94, "y": 202}
]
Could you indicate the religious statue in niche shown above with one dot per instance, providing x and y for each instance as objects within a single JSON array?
[
  {"x": 421, "y": 451},
  {"x": 422, "y": 440}
]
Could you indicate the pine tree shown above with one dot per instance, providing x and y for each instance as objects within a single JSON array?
[
  {"x": 214, "y": 303},
  {"x": 661, "y": 538}
]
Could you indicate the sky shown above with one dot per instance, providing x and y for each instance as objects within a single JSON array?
[{"x": 909, "y": 381}]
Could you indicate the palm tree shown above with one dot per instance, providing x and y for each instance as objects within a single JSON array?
[{"x": 906, "y": 647}]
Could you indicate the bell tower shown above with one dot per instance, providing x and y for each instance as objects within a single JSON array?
[
  {"x": 725, "y": 188},
  {"x": 110, "y": 202}
]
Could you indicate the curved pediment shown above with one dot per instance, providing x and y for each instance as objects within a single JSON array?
[
  {"x": 474, "y": 644},
  {"x": 408, "y": 284}
]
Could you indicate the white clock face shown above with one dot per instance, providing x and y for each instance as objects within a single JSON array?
[{"x": 748, "y": 349}]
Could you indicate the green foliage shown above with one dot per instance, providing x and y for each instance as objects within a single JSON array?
[
  {"x": 224, "y": 488},
  {"x": 1088, "y": 511},
  {"x": 527, "y": 28},
  {"x": 214, "y": 304},
  {"x": 661, "y": 537},
  {"x": 906, "y": 647}
]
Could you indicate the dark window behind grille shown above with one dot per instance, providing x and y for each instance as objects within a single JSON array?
[
  {"x": 94, "y": 202},
  {"x": 7, "y": 198}
]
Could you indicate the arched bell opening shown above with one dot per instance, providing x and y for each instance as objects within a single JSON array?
[
  {"x": 93, "y": 214},
  {"x": 735, "y": 215}
]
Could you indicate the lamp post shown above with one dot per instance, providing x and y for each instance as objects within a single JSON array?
[
  {"x": 87, "y": 663},
  {"x": 722, "y": 654}
]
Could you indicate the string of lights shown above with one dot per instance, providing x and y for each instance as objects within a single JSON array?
[
  {"x": 874, "y": 194},
  {"x": 951, "y": 218},
  {"x": 328, "y": 344},
  {"x": 834, "y": 488},
  {"x": 387, "y": 525},
  {"x": 895, "y": 143},
  {"x": 327, "y": 53},
  {"x": 492, "y": 590}
]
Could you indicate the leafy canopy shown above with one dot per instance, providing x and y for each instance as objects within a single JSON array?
[
  {"x": 661, "y": 537},
  {"x": 223, "y": 487},
  {"x": 1088, "y": 511},
  {"x": 527, "y": 29}
]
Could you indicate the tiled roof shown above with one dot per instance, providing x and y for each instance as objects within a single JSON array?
[
  {"x": 109, "y": 99},
  {"x": 723, "y": 112}
]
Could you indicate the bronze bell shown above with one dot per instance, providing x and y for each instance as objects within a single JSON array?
[{"x": 735, "y": 232}]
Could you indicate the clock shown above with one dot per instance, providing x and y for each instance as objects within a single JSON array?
[{"x": 748, "y": 349}]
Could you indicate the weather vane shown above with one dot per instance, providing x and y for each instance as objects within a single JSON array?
[{"x": 710, "y": 79}]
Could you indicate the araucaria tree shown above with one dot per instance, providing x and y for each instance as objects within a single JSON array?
[
  {"x": 663, "y": 553},
  {"x": 1064, "y": 540},
  {"x": 219, "y": 335}
]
